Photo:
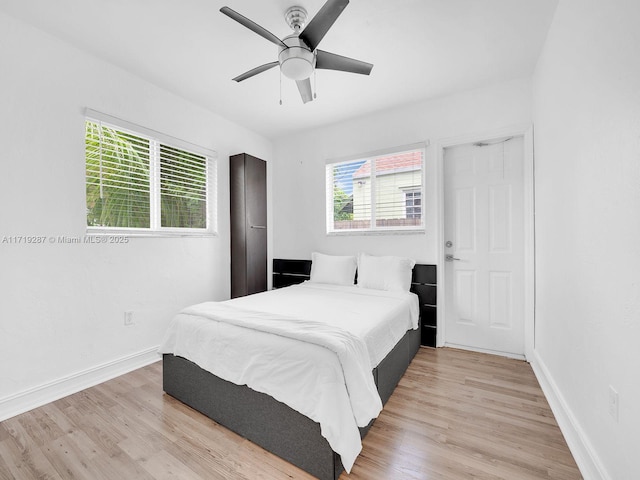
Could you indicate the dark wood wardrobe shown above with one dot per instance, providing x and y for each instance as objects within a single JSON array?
[{"x": 248, "y": 186}]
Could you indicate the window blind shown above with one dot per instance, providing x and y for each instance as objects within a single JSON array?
[
  {"x": 378, "y": 192},
  {"x": 117, "y": 165},
  {"x": 183, "y": 188}
]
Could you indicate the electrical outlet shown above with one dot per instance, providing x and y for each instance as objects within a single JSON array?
[
  {"x": 613, "y": 403},
  {"x": 128, "y": 318}
]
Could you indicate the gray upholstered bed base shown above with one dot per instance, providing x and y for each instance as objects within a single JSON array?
[{"x": 268, "y": 422}]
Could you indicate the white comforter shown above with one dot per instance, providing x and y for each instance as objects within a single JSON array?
[{"x": 320, "y": 368}]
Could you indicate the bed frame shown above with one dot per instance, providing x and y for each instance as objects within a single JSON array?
[{"x": 265, "y": 421}]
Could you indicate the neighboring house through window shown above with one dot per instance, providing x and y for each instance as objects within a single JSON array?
[{"x": 378, "y": 192}]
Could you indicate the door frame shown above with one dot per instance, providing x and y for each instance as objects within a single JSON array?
[{"x": 526, "y": 131}]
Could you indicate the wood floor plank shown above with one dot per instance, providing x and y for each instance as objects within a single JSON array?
[
  {"x": 18, "y": 463},
  {"x": 455, "y": 415}
]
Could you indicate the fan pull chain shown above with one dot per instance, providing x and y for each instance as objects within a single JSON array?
[
  {"x": 315, "y": 85},
  {"x": 281, "y": 88}
]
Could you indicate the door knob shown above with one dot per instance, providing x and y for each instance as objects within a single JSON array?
[{"x": 450, "y": 258}]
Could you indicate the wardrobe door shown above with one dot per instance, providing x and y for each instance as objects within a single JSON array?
[
  {"x": 256, "y": 226},
  {"x": 248, "y": 188}
]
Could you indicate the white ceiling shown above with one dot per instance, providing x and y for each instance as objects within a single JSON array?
[{"x": 420, "y": 49}]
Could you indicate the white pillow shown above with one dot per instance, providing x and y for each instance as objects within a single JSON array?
[
  {"x": 385, "y": 273},
  {"x": 333, "y": 269}
]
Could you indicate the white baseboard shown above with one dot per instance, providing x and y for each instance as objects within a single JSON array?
[
  {"x": 35, "y": 397},
  {"x": 581, "y": 448},
  {"x": 515, "y": 356}
]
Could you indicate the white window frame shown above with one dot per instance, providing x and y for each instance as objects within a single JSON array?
[
  {"x": 155, "y": 140},
  {"x": 373, "y": 229}
]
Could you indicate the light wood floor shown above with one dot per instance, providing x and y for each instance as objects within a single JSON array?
[{"x": 454, "y": 415}]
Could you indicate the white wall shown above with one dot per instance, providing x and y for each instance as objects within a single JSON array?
[
  {"x": 62, "y": 306},
  {"x": 299, "y": 175},
  {"x": 587, "y": 147}
]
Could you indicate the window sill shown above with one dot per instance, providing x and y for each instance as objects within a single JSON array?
[
  {"x": 346, "y": 233},
  {"x": 142, "y": 233}
]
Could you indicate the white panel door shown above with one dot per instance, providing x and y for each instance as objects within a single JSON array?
[{"x": 484, "y": 249}]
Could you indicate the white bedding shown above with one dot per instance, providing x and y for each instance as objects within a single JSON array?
[
  {"x": 380, "y": 318},
  {"x": 310, "y": 346}
]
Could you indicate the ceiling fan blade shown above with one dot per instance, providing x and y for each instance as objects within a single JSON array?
[
  {"x": 253, "y": 26},
  {"x": 304, "y": 87},
  {"x": 332, "y": 61},
  {"x": 319, "y": 25},
  {"x": 255, "y": 71}
]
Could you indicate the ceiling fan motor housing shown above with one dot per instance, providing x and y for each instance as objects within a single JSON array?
[{"x": 296, "y": 62}]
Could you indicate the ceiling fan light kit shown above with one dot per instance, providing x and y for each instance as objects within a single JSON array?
[
  {"x": 298, "y": 56},
  {"x": 297, "y": 62}
]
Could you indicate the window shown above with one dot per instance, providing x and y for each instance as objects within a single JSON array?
[
  {"x": 378, "y": 192},
  {"x": 413, "y": 203},
  {"x": 139, "y": 183}
]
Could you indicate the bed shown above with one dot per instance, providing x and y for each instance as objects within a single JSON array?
[{"x": 255, "y": 412}]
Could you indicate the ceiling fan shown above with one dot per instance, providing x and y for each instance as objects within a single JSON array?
[{"x": 298, "y": 55}]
